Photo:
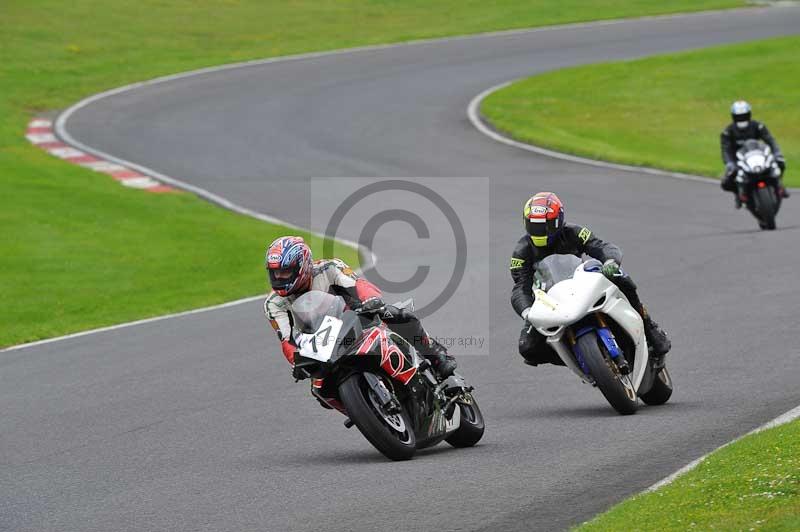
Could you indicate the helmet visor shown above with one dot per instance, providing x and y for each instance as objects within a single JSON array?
[
  {"x": 282, "y": 278},
  {"x": 540, "y": 230},
  {"x": 743, "y": 117}
]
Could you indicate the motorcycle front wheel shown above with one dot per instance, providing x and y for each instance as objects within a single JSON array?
[
  {"x": 766, "y": 204},
  {"x": 391, "y": 434},
  {"x": 616, "y": 388}
]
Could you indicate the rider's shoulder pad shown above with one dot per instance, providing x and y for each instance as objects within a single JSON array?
[{"x": 325, "y": 265}]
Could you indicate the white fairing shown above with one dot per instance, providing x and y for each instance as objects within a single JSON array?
[
  {"x": 570, "y": 300},
  {"x": 320, "y": 344},
  {"x": 756, "y": 161}
]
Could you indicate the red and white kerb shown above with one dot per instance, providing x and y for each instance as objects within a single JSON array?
[{"x": 40, "y": 134}]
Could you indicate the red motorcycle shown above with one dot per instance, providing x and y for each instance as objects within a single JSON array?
[{"x": 370, "y": 374}]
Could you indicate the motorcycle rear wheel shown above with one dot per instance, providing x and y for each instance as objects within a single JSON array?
[
  {"x": 661, "y": 390},
  {"x": 607, "y": 379},
  {"x": 391, "y": 434},
  {"x": 471, "y": 429}
]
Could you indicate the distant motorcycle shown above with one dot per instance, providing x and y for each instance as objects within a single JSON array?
[
  {"x": 374, "y": 377},
  {"x": 757, "y": 182},
  {"x": 596, "y": 332}
]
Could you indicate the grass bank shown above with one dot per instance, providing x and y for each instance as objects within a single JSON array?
[
  {"x": 663, "y": 112},
  {"x": 753, "y": 484},
  {"x": 78, "y": 251}
]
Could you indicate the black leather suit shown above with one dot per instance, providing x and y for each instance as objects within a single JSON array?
[
  {"x": 573, "y": 240},
  {"x": 732, "y": 138}
]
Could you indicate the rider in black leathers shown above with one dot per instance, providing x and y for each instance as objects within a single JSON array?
[
  {"x": 574, "y": 240},
  {"x": 740, "y": 130}
]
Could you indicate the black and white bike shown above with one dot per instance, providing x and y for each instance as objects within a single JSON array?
[
  {"x": 757, "y": 182},
  {"x": 361, "y": 368}
]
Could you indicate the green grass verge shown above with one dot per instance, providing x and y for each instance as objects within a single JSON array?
[
  {"x": 77, "y": 250},
  {"x": 753, "y": 484},
  {"x": 663, "y": 112}
]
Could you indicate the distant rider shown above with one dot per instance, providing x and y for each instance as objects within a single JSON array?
[
  {"x": 547, "y": 234},
  {"x": 292, "y": 272},
  {"x": 740, "y": 130}
]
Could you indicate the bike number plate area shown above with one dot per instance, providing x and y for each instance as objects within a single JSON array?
[{"x": 320, "y": 345}]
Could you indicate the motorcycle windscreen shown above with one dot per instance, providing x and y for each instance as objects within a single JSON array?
[
  {"x": 310, "y": 309},
  {"x": 754, "y": 153},
  {"x": 554, "y": 269}
]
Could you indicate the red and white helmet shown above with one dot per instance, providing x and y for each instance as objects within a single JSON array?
[
  {"x": 289, "y": 265},
  {"x": 544, "y": 218}
]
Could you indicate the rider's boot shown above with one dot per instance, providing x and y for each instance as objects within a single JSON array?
[
  {"x": 443, "y": 364},
  {"x": 740, "y": 196},
  {"x": 657, "y": 339},
  {"x": 729, "y": 185}
]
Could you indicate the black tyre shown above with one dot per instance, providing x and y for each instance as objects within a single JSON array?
[
  {"x": 766, "y": 206},
  {"x": 617, "y": 389},
  {"x": 661, "y": 390},
  {"x": 471, "y": 429},
  {"x": 391, "y": 434}
]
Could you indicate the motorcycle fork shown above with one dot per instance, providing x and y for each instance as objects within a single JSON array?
[
  {"x": 601, "y": 324},
  {"x": 571, "y": 337},
  {"x": 606, "y": 336},
  {"x": 385, "y": 394}
]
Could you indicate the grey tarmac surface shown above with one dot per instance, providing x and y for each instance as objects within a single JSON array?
[{"x": 194, "y": 423}]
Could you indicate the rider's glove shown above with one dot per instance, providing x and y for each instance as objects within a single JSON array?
[
  {"x": 781, "y": 163},
  {"x": 372, "y": 304},
  {"x": 610, "y": 268},
  {"x": 525, "y": 313},
  {"x": 730, "y": 169}
]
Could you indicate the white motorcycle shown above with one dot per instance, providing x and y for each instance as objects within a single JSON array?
[{"x": 596, "y": 332}]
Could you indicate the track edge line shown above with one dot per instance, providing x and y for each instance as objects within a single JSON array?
[
  {"x": 370, "y": 257},
  {"x": 782, "y": 419},
  {"x": 133, "y": 323},
  {"x": 483, "y": 125}
]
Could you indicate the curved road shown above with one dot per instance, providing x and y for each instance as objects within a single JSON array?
[{"x": 193, "y": 423}]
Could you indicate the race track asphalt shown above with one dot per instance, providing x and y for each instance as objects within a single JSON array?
[{"x": 193, "y": 423}]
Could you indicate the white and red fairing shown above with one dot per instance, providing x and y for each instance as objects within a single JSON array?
[{"x": 327, "y": 276}]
